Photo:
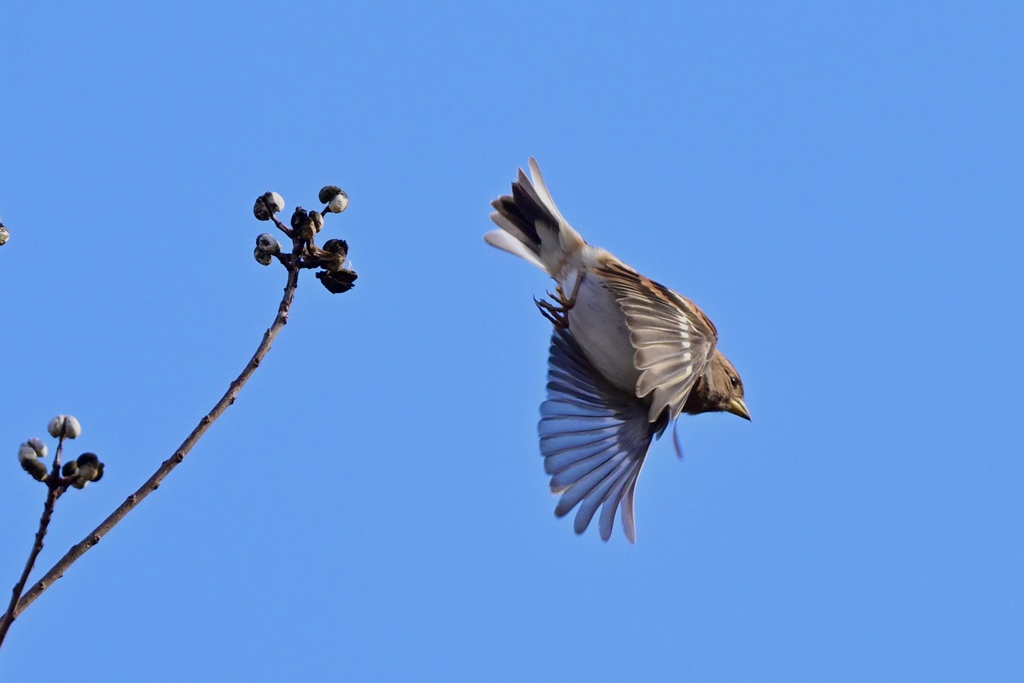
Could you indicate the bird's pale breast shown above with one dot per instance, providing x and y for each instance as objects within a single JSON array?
[{"x": 599, "y": 326}]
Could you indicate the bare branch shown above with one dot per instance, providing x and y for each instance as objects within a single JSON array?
[
  {"x": 55, "y": 487},
  {"x": 83, "y": 546}
]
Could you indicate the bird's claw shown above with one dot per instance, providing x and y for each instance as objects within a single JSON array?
[
  {"x": 558, "y": 315},
  {"x": 558, "y": 312}
]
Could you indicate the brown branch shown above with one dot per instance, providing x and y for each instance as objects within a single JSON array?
[
  {"x": 154, "y": 481},
  {"x": 282, "y": 227},
  {"x": 55, "y": 487}
]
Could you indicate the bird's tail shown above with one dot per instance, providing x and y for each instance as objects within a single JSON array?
[{"x": 532, "y": 228}]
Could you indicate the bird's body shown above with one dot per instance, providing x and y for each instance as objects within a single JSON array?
[
  {"x": 628, "y": 355},
  {"x": 595, "y": 319}
]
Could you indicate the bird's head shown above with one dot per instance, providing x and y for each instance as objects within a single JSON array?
[{"x": 720, "y": 389}]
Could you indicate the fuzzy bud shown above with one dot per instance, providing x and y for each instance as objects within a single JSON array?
[
  {"x": 26, "y": 452},
  {"x": 89, "y": 469},
  {"x": 267, "y": 243},
  {"x": 64, "y": 425},
  {"x": 87, "y": 464},
  {"x": 29, "y": 454},
  {"x": 56, "y": 426},
  {"x": 4, "y": 235},
  {"x": 38, "y": 446},
  {"x": 88, "y": 459},
  {"x": 70, "y": 469},
  {"x": 262, "y": 257},
  {"x": 72, "y": 429},
  {"x": 338, "y": 202},
  {"x": 36, "y": 469}
]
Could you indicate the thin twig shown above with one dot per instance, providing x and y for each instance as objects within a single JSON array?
[
  {"x": 54, "y": 488},
  {"x": 154, "y": 481},
  {"x": 282, "y": 227}
]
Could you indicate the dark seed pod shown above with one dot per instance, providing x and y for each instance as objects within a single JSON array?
[
  {"x": 267, "y": 243},
  {"x": 262, "y": 257},
  {"x": 337, "y": 282},
  {"x": 328, "y": 192},
  {"x": 316, "y": 221}
]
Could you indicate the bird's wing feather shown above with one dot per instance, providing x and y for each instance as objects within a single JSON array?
[
  {"x": 593, "y": 437},
  {"x": 673, "y": 340}
]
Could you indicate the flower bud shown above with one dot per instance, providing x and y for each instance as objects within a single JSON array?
[
  {"x": 89, "y": 469},
  {"x": 72, "y": 430},
  {"x": 70, "y": 469},
  {"x": 267, "y": 243},
  {"x": 262, "y": 257},
  {"x": 316, "y": 220},
  {"x": 38, "y": 446},
  {"x": 87, "y": 465},
  {"x": 88, "y": 459},
  {"x": 26, "y": 452},
  {"x": 56, "y": 426},
  {"x": 64, "y": 425},
  {"x": 4, "y": 235},
  {"x": 36, "y": 469},
  {"x": 338, "y": 203}
]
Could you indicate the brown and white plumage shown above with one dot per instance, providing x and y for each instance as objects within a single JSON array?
[{"x": 630, "y": 357}]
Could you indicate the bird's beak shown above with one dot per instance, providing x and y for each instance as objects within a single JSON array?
[{"x": 738, "y": 407}]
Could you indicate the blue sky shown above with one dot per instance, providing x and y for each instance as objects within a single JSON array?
[{"x": 838, "y": 185}]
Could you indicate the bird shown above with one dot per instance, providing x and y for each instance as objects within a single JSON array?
[{"x": 627, "y": 357}]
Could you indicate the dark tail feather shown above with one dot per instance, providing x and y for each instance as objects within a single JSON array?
[{"x": 530, "y": 218}]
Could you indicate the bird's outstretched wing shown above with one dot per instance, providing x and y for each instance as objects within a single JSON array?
[
  {"x": 673, "y": 339},
  {"x": 593, "y": 437}
]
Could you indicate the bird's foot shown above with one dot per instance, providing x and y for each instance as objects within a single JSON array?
[{"x": 558, "y": 312}]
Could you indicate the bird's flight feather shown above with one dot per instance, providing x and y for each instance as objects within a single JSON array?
[
  {"x": 593, "y": 437},
  {"x": 674, "y": 340}
]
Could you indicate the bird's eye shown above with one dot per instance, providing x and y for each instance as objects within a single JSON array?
[{"x": 735, "y": 381}]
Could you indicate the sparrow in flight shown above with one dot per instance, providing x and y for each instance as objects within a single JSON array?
[{"x": 627, "y": 356}]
